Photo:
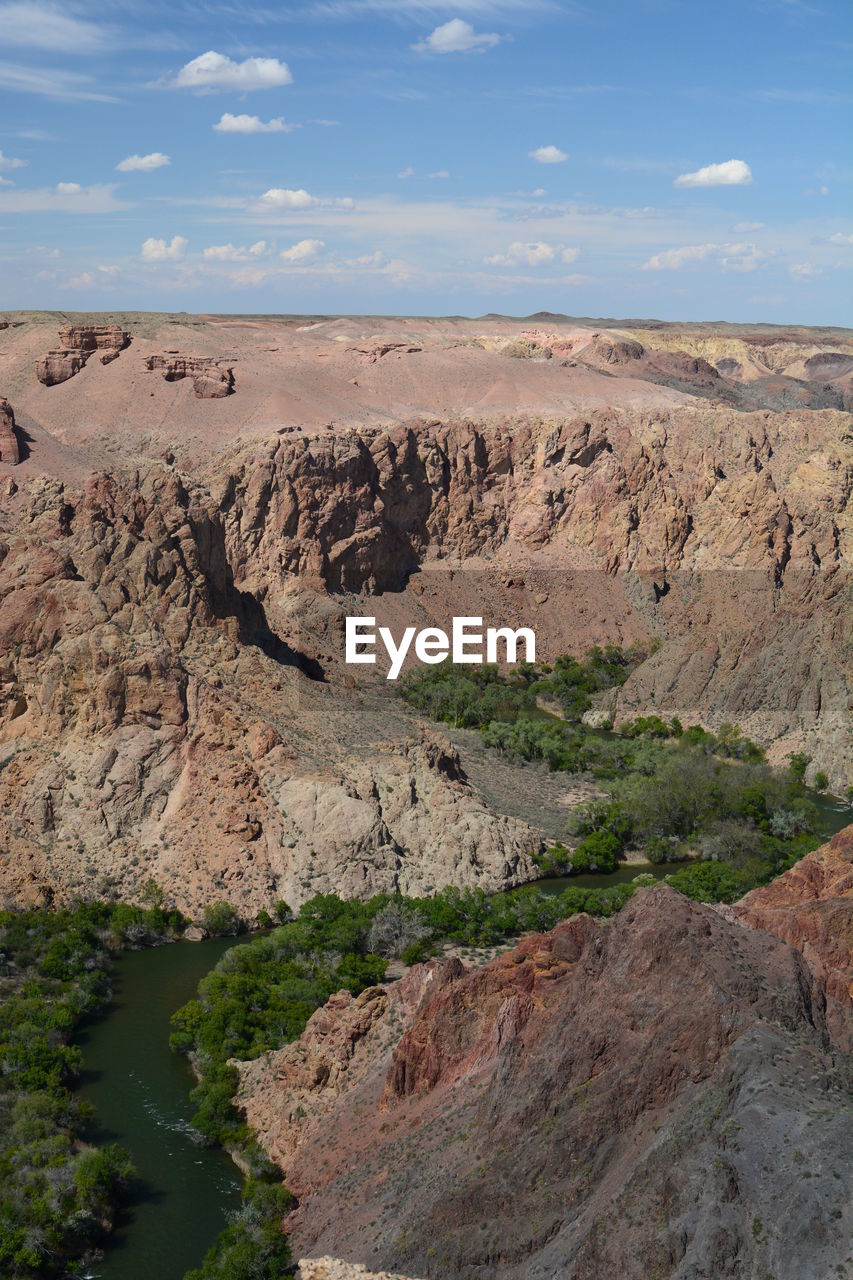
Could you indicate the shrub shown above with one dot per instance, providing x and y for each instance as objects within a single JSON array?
[
  {"x": 599, "y": 851},
  {"x": 394, "y": 930},
  {"x": 220, "y": 919}
]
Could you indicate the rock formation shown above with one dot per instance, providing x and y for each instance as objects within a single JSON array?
[
  {"x": 173, "y": 696},
  {"x": 617, "y": 1098},
  {"x": 148, "y": 707},
  {"x": 77, "y": 343},
  {"x": 336, "y": 1269},
  {"x": 10, "y": 449},
  {"x": 811, "y": 907},
  {"x": 211, "y": 381}
]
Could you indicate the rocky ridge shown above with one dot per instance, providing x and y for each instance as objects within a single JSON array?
[
  {"x": 525, "y": 1119},
  {"x": 811, "y": 908}
]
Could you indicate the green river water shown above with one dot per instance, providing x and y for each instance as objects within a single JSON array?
[{"x": 141, "y": 1093}]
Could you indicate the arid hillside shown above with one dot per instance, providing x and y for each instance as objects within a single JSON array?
[
  {"x": 664, "y": 1093},
  {"x": 190, "y": 506}
]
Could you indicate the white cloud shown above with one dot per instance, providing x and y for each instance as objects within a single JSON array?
[
  {"x": 745, "y": 227},
  {"x": 302, "y": 251},
  {"x": 9, "y": 162},
  {"x": 236, "y": 253},
  {"x": 287, "y": 198},
  {"x": 674, "y": 259},
  {"x": 32, "y": 25},
  {"x": 143, "y": 164},
  {"x": 548, "y": 155},
  {"x": 84, "y": 281},
  {"x": 162, "y": 251},
  {"x": 838, "y": 237},
  {"x": 214, "y": 71},
  {"x": 252, "y": 124},
  {"x": 108, "y": 270},
  {"x": 284, "y": 199},
  {"x": 439, "y": 173},
  {"x": 408, "y": 172},
  {"x": 740, "y": 257},
  {"x": 533, "y": 253},
  {"x": 731, "y": 257},
  {"x": 69, "y": 188},
  {"x": 6, "y": 182},
  {"x": 804, "y": 271},
  {"x": 731, "y": 173},
  {"x": 457, "y": 36}
]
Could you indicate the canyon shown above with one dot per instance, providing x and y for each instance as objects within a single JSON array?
[{"x": 179, "y": 553}]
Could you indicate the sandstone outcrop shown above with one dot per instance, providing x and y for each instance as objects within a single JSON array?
[
  {"x": 811, "y": 907},
  {"x": 10, "y": 449},
  {"x": 77, "y": 343},
  {"x": 211, "y": 380},
  {"x": 59, "y": 366},
  {"x": 336, "y": 1269},
  {"x": 109, "y": 339},
  {"x": 526, "y": 1119}
]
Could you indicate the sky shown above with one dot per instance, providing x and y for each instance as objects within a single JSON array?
[{"x": 639, "y": 158}]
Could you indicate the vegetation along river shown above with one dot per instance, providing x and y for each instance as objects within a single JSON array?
[{"x": 141, "y": 1093}]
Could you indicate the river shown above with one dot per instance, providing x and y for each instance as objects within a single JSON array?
[{"x": 141, "y": 1093}]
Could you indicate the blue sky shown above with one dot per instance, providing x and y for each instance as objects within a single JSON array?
[{"x": 659, "y": 158}]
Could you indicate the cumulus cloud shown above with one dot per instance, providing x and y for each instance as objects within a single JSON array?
[
  {"x": 457, "y": 36},
  {"x": 408, "y": 172},
  {"x": 84, "y": 281},
  {"x": 69, "y": 188},
  {"x": 108, "y": 270},
  {"x": 745, "y": 227},
  {"x": 302, "y": 251},
  {"x": 236, "y": 253},
  {"x": 533, "y": 253},
  {"x": 284, "y": 199},
  {"x": 143, "y": 164},
  {"x": 154, "y": 250},
  {"x": 674, "y": 259},
  {"x": 252, "y": 124},
  {"x": 731, "y": 257},
  {"x": 9, "y": 162},
  {"x": 439, "y": 173},
  {"x": 215, "y": 71},
  {"x": 548, "y": 155},
  {"x": 731, "y": 173},
  {"x": 838, "y": 237}
]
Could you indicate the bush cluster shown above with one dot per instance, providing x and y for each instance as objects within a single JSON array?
[{"x": 57, "y": 1194}]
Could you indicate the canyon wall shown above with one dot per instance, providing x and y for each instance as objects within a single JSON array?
[{"x": 175, "y": 572}]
